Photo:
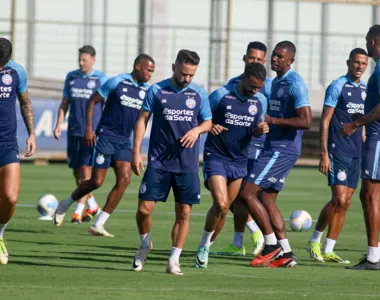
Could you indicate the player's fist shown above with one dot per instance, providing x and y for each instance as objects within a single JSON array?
[
  {"x": 89, "y": 138},
  {"x": 324, "y": 163},
  {"x": 137, "y": 163},
  {"x": 217, "y": 129},
  {"x": 348, "y": 129},
  {"x": 261, "y": 128},
  {"x": 30, "y": 145},
  {"x": 57, "y": 132}
]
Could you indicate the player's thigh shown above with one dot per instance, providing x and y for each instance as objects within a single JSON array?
[
  {"x": 123, "y": 171},
  {"x": 85, "y": 172},
  {"x": 233, "y": 188},
  {"x": 85, "y": 161},
  {"x": 10, "y": 182},
  {"x": 186, "y": 188},
  {"x": 370, "y": 190},
  {"x": 155, "y": 185},
  {"x": 217, "y": 185}
]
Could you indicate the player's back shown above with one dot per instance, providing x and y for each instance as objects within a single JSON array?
[
  {"x": 373, "y": 99},
  {"x": 13, "y": 82},
  {"x": 347, "y": 97},
  {"x": 288, "y": 94}
]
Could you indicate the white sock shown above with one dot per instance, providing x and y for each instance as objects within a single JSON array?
[
  {"x": 145, "y": 240},
  {"x": 238, "y": 240},
  {"x": 176, "y": 252},
  {"x": 64, "y": 205},
  {"x": 373, "y": 254},
  {"x": 206, "y": 239},
  {"x": 92, "y": 204},
  {"x": 316, "y": 237},
  {"x": 2, "y": 229},
  {"x": 270, "y": 239},
  {"x": 285, "y": 245},
  {"x": 102, "y": 219},
  {"x": 328, "y": 246},
  {"x": 252, "y": 226},
  {"x": 79, "y": 209}
]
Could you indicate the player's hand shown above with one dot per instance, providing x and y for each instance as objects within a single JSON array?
[
  {"x": 30, "y": 145},
  {"x": 57, "y": 132},
  {"x": 261, "y": 128},
  {"x": 348, "y": 129},
  {"x": 324, "y": 164},
  {"x": 268, "y": 120},
  {"x": 89, "y": 138},
  {"x": 217, "y": 129},
  {"x": 189, "y": 139},
  {"x": 137, "y": 163}
]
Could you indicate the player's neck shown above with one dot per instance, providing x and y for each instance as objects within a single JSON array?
[
  {"x": 89, "y": 71},
  {"x": 136, "y": 77},
  {"x": 282, "y": 72},
  {"x": 353, "y": 78}
]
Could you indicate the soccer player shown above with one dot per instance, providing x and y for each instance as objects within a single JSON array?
[
  {"x": 256, "y": 52},
  {"x": 237, "y": 113},
  {"x": 124, "y": 95},
  {"x": 79, "y": 86},
  {"x": 181, "y": 112},
  {"x": 340, "y": 157},
  {"x": 13, "y": 85},
  {"x": 289, "y": 115},
  {"x": 370, "y": 189}
]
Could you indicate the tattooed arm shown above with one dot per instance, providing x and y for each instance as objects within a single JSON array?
[{"x": 28, "y": 116}]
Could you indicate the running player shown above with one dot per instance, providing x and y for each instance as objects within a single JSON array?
[
  {"x": 340, "y": 157},
  {"x": 256, "y": 52},
  {"x": 370, "y": 189},
  {"x": 124, "y": 95},
  {"x": 13, "y": 85},
  {"x": 289, "y": 115},
  {"x": 181, "y": 112},
  {"x": 238, "y": 110},
  {"x": 79, "y": 86}
]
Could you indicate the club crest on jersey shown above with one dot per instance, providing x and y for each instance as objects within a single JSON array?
[
  {"x": 364, "y": 95},
  {"x": 100, "y": 159},
  {"x": 190, "y": 103},
  {"x": 280, "y": 92},
  {"x": 142, "y": 188},
  {"x": 91, "y": 84},
  {"x": 252, "y": 109},
  {"x": 341, "y": 176},
  {"x": 142, "y": 94},
  {"x": 7, "y": 79}
]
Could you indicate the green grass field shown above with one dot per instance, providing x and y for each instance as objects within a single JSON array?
[{"x": 65, "y": 263}]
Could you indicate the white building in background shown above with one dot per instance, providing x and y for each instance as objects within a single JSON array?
[{"x": 48, "y": 34}]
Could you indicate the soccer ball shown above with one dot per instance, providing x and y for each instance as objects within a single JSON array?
[
  {"x": 300, "y": 220},
  {"x": 47, "y": 204}
]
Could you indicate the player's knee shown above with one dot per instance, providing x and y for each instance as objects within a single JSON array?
[
  {"x": 341, "y": 202},
  {"x": 96, "y": 183},
  {"x": 144, "y": 211},
  {"x": 183, "y": 216},
  {"x": 222, "y": 206},
  {"x": 124, "y": 181},
  {"x": 11, "y": 199}
]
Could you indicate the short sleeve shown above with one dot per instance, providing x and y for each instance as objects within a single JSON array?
[
  {"x": 332, "y": 94},
  {"x": 66, "y": 88},
  {"x": 204, "y": 111},
  {"x": 148, "y": 102},
  {"x": 108, "y": 87},
  {"x": 216, "y": 96},
  {"x": 103, "y": 79},
  {"x": 298, "y": 91},
  {"x": 268, "y": 88},
  {"x": 23, "y": 79}
]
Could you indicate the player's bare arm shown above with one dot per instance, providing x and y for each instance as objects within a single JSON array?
[
  {"x": 189, "y": 139},
  {"x": 324, "y": 162},
  {"x": 301, "y": 121},
  {"x": 261, "y": 128},
  {"x": 138, "y": 135},
  {"x": 217, "y": 129},
  {"x": 89, "y": 136},
  {"x": 62, "y": 110},
  {"x": 28, "y": 116},
  {"x": 349, "y": 129}
]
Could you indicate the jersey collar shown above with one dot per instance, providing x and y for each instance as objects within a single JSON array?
[{"x": 352, "y": 82}]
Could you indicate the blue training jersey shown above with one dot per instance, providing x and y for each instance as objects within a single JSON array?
[
  {"x": 373, "y": 99},
  {"x": 240, "y": 115},
  {"x": 79, "y": 87},
  {"x": 288, "y": 94},
  {"x": 124, "y": 99},
  {"x": 13, "y": 82},
  {"x": 256, "y": 143},
  {"x": 347, "y": 97},
  {"x": 175, "y": 112}
]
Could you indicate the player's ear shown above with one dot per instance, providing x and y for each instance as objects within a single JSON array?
[
  {"x": 348, "y": 62},
  {"x": 244, "y": 57},
  {"x": 173, "y": 68}
]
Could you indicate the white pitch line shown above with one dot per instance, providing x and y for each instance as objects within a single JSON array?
[{"x": 134, "y": 211}]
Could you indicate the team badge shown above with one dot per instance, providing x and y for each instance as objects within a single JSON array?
[
  {"x": 91, "y": 84},
  {"x": 252, "y": 109},
  {"x": 280, "y": 92},
  {"x": 7, "y": 79},
  {"x": 100, "y": 159},
  {"x": 364, "y": 95},
  {"x": 341, "y": 176},
  {"x": 142, "y": 94},
  {"x": 190, "y": 103},
  {"x": 142, "y": 188}
]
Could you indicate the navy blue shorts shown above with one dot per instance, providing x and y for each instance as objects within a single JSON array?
[
  {"x": 9, "y": 154},
  {"x": 78, "y": 154},
  {"x": 345, "y": 170},
  {"x": 371, "y": 160},
  {"x": 271, "y": 168},
  {"x": 252, "y": 157},
  {"x": 107, "y": 150},
  {"x": 229, "y": 172},
  {"x": 156, "y": 184}
]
